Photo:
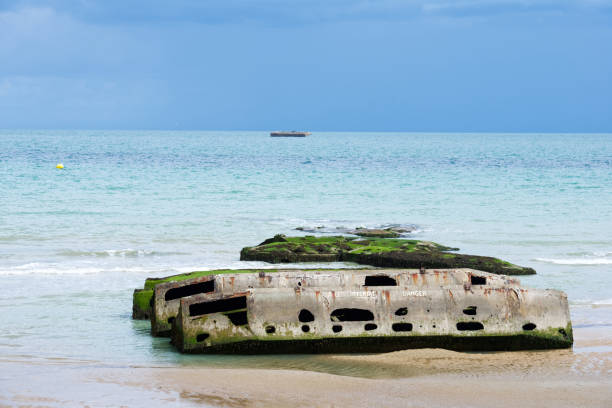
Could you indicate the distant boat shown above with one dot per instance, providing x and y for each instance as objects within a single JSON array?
[{"x": 291, "y": 133}]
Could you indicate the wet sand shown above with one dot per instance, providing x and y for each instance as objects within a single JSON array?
[
  {"x": 416, "y": 378},
  {"x": 411, "y": 378}
]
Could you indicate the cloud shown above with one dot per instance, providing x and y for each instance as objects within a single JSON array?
[
  {"x": 355, "y": 64},
  {"x": 41, "y": 39}
]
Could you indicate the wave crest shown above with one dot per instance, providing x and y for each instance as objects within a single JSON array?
[
  {"x": 119, "y": 253},
  {"x": 576, "y": 261}
]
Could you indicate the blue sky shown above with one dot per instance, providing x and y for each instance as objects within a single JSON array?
[{"x": 387, "y": 65}]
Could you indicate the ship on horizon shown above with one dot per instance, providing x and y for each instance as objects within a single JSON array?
[{"x": 290, "y": 133}]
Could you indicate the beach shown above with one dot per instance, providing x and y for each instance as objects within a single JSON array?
[
  {"x": 411, "y": 378},
  {"x": 75, "y": 243}
]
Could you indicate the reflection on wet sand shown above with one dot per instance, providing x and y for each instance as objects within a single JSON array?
[{"x": 425, "y": 377}]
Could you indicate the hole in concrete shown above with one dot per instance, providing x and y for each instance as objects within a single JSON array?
[
  {"x": 336, "y": 328},
  {"x": 189, "y": 290},
  {"x": 370, "y": 326},
  {"x": 202, "y": 336},
  {"x": 305, "y": 316},
  {"x": 351, "y": 315},
  {"x": 402, "y": 311},
  {"x": 216, "y": 306},
  {"x": 470, "y": 326},
  {"x": 401, "y": 327},
  {"x": 299, "y": 283},
  {"x": 470, "y": 310},
  {"x": 379, "y": 280},
  {"x": 478, "y": 280},
  {"x": 238, "y": 318},
  {"x": 529, "y": 326},
  {"x": 434, "y": 326},
  {"x": 563, "y": 332},
  {"x": 305, "y": 328},
  {"x": 171, "y": 320},
  {"x": 270, "y": 329}
]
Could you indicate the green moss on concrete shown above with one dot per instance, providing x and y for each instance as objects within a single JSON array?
[
  {"x": 151, "y": 282},
  {"x": 141, "y": 304},
  {"x": 381, "y": 252},
  {"x": 370, "y": 343},
  {"x": 560, "y": 335}
]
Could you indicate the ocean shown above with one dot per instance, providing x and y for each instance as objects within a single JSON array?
[{"x": 75, "y": 242}]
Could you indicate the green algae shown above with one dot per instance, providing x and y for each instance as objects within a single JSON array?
[
  {"x": 283, "y": 341},
  {"x": 377, "y": 343},
  {"x": 380, "y": 252},
  {"x": 141, "y": 304},
  {"x": 151, "y": 282}
]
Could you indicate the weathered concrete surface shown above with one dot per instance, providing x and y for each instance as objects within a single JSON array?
[
  {"x": 142, "y": 298},
  {"x": 380, "y": 252},
  {"x": 167, "y": 295},
  {"x": 320, "y": 320}
]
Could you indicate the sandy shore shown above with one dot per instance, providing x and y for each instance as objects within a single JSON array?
[
  {"x": 419, "y": 378},
  {"x": 411, "y": 378},
  {"x": 250, "y": 388}
]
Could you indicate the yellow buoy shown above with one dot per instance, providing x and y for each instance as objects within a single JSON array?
[{"x": 59, "y": 166}]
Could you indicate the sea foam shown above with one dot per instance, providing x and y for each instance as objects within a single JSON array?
[{"x": 576, "y": 261}]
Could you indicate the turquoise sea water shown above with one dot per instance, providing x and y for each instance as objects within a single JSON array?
[{"x": 74, "y": 243}]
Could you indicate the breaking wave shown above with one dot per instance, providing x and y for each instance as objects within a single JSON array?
[
  {"x": 59, "y": 269},
  {"x": 576, "y": 261},
  {"x": 162, "y": 269},
  {"x": 120, "y": 253}
]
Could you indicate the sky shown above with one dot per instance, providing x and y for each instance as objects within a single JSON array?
[{"x": 322, "y": 65}]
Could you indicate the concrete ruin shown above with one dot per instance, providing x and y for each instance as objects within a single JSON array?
[
  {"x": 457, "y": 309},
  {"x": 167, "y": 295},
  {"x": 371, "y": 250}
]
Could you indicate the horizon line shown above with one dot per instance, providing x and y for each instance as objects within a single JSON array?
[{"x": 309, "y": 130}]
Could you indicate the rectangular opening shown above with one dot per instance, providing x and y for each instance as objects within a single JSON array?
[
  {"x": 218, "y": 306},
  {"x": 469, "y": 326},
  {"x": 470, "y": 310},
  {"x": 478, "y": 280},
  {"x": 351, "y": 315},
  {"x": 402, "y": 327},
  {"x": 189, "y": 290},
  {"x": 238, "y": 318},
  {"x": 379, "y": 280}
]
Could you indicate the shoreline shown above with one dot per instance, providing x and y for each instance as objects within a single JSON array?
[{"x": 581, "y": 376}]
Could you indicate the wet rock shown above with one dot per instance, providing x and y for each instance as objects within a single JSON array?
[
  {"x": 382, "y": 252},
  {"x": 276, "y": 238},
  {"x": 373, "y": 232},
  {"x": 383, "y": 231}
]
